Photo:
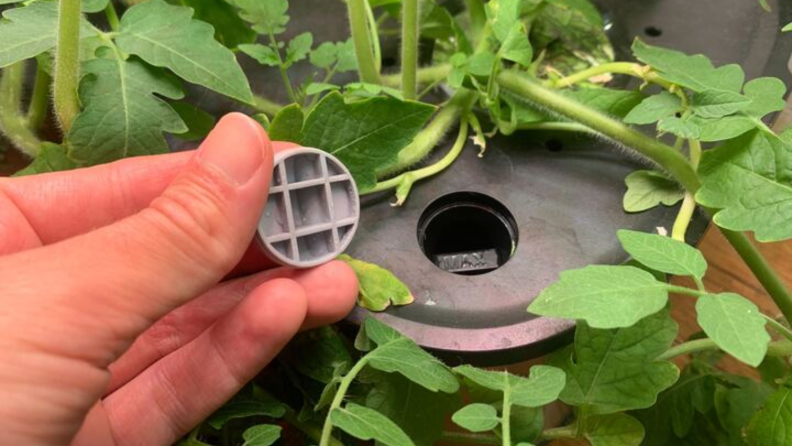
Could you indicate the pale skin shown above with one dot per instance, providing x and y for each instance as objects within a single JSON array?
[{"x": 116, "y": 326}]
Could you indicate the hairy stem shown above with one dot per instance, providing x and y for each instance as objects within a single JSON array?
[
  {"x": 423, "y": 76},
  {"x": 284, "y": 76},
  {"x": 506, "y": 413},
  {"x": 39, "y": 101},
  {"x": 405, "y": 180},
  {"x": 627, "y": 68},
  {"x": 361, "y": 37},
  {"x": 12, "y": 125},
  {"x": 343, "y": 387},
  {"x": 668, "y": 158},
  {"x": 556, "y": 127},
  {"x": 429, "y": 137},
  {"x": 409, "y": 60},
  {"x": 778, "y": 327},
  {"x": 777, "y": 348},
  {"x": 67, "y": 63},
  {"x": 265, "y": 105}
]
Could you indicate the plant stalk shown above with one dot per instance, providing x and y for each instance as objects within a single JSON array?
[
  {"x": 506, "y": 414},
  {"x": 668, "y": 158},
  {"x": 558, "y": 433},
  {"x": 39, "y": 101},
  {"x": 343, "y": 387},
  {"x": 284, "y": 76},
  {"x": 12, "y": 125},
  {"x": 429, "y": 137},
  {"x": 777, "y": 348},
  {"x": 358, "y": 21},
  {"x": 265, "y": 105},
  {"x": 67, "y": 63},
  {"x": 409, "y": 60},
  {"x": 112, "y": 16}
]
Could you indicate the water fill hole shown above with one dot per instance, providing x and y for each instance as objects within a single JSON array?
[{"x": 467, "y": 233}]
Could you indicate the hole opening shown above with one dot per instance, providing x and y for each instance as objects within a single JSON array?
[
  {"x": 653, "y": 31},
  {"x": 467, "y": 233}
]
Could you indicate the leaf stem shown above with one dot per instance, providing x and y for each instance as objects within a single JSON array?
[
  {"x": 409, "y": 60},
  {"x": 423, "y": 76},
  {"x": 777, "y": 348},
  {"x": 506, "y": 412},
  {"x": 430, "y": 136},
  {"x": 685, "y": 290},
  {"x": 562, "y": 432},
  {"x": 112, "y": 16},
  {"x": 12, "y": 125},
  {"x": 671, "y": 160},
  {"x": 361, "y": 37},
  {"x": 688, "y": 207},
  {"x": 67, "y": 63},
  {"x": 478, "y": 17},
  {"x": 39, "y": 100},
  {"x": 265, "y": 105},
  {"x": 282, "y": 68},
  {"x": 778, "y": 327},
  {"x": 343, "y": 387},
  {"x": 556, "y": 127},
  {"x": 404, "y": 182},
  {"x": 627, "y": 68}
]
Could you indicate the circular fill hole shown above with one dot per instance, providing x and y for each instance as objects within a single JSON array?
[
  {"x": 653, "y": 31},
  {"x": 554, "y": 145},
  {"x": 467, "y": 233}
]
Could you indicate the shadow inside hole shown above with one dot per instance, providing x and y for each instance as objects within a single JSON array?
[
  {"x": 554, "y": 145},
  {"x": 653, "y": 31},
  {"x": 467, "y": 233}
]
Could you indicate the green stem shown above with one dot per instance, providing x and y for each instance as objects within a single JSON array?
[
  {"x": 328, "y": 77},
  {"x": 429, "y": 137},
  {"x": 478, "y": 17},
  {"x": 556, "y": 127},
  {"x": 282, "y": 68},
  {"x": 778, "y": 327},
  {"x": 39, "y": 101},
  {"x": 374, "y": 36},
  {"x": 685, "y": 290},
  {"x": 112, "y": 16},
  {"x": 409, "y": 60},
  {"x": 773, "y": 284},
  {"x": 343, "y": 387},
  {"x": 406, "y": 179},
  {"x": 308, "y": 428},
  {"x": 67, "y": 63},
  {"x": 558, "y": 433},
  {"x": 671, "y": 160},
  {"x": 423, "y": 76},
  {"x": 506, "y": 413},
  {"x": 466, "y": 438},
  {"x": 12, "y": 125},
  {"x": 626, "y": 68},
  {"x": 777, "y": 348},
  {"x": 688, "y": 207},
  {"x": 264, "y": 105},
  {"x": 361, "y": 37}
]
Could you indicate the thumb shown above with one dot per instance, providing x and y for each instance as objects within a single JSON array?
[{"x": 112, "y": 283}]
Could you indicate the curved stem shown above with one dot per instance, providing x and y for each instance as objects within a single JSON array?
[
  {"x": 429, "y": 137},
  {"x": 11, "y": 124},
  {"x": 112, "y": 16},
  {"x": 358, "y": 23},
  {"x": 39, "y": 101},
  {"x": 423, "y": 76},
  {"x": 343, "y": 387},
  {"x": 668, "y": 158},
  {"x": 67, "y": 63},
  {"x": 627, "y": 68},
  {"x": 688, "y": 207},
  {"x": 409, "y": 60},
  {"x": 778, "y": 348},
  {"x": 778, "y": 327}
]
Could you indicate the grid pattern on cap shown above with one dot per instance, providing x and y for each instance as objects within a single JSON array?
[{"x": 312, "y": 209}]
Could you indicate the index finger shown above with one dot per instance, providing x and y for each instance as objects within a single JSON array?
[{"x": 60, "y": 205}]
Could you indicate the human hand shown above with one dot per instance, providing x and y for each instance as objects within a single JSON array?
[{"x": 113, "y": 327}]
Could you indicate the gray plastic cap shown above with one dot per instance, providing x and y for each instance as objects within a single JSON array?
[{"x": 312, "y": 211}]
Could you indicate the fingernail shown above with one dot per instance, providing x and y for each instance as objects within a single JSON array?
[{"x": 234, "y": 148}]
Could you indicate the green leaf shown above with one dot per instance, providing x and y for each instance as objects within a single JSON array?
[
  {"x": 122, "y": 116},
  {"x": 51, "y": 158},
  {"x": 616, "y": 370},
  {"x": 287, "y": 124},
  {"x": 263, "y": 54},
  {"x": 747, "y": 179},
  {"x": 711, "y": 130},
  {"x": 378, "y": 287},
  {"x": 376, "y": 332},
  {"x": 503, "y": 14},
  {"x": 694, "y": 72},
  {"x": 787, "y": 28},
  {"x": 347, "y": 59},
  {"x": 683, "y": 128},
  {"x": 774, "y": 370},
  {"x": 717, "y": 104},
  {"x": 320, "y": 354},
  {"x": 771, "y": 425},
  {"x": 365, "y": 135},
  {"x": 542, "y": 386},
  {"x": 324, "y": 56},
  {"x": 245, "y": 407},
  {"x": 167, "y": 36},
  {"x": 367, "y": 424},
  {"x": 405, "y": 357},
  {"x": 614, "y": 430},
  {"x": 421, "y": 413},
  {"x": 199, "y": 123},
  {"x": 735, "y": 406},
  {"x": 319, "y": 87},
  {"x": 663, "y": 253},
  {"x": 654, "y": 108},
  {"x": 765, "y": 5},
  {"x": 647, "y": 189},
  {"x": 27, "y": 32},
  {"x": 476, "y": 417},
  {"x": 230, "y": 29},
  {"x": 261, "y": 435},
  {"x": 266, "y": 16},
  {"x": 603, "y": 296},
  {"x": 735, "y": 324},
  {"x": 298, "y": 49},
  {"x": 517, "y": 48},
  {"x": 91, "y": 6},
  {"x": 767, "y": 96}
]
